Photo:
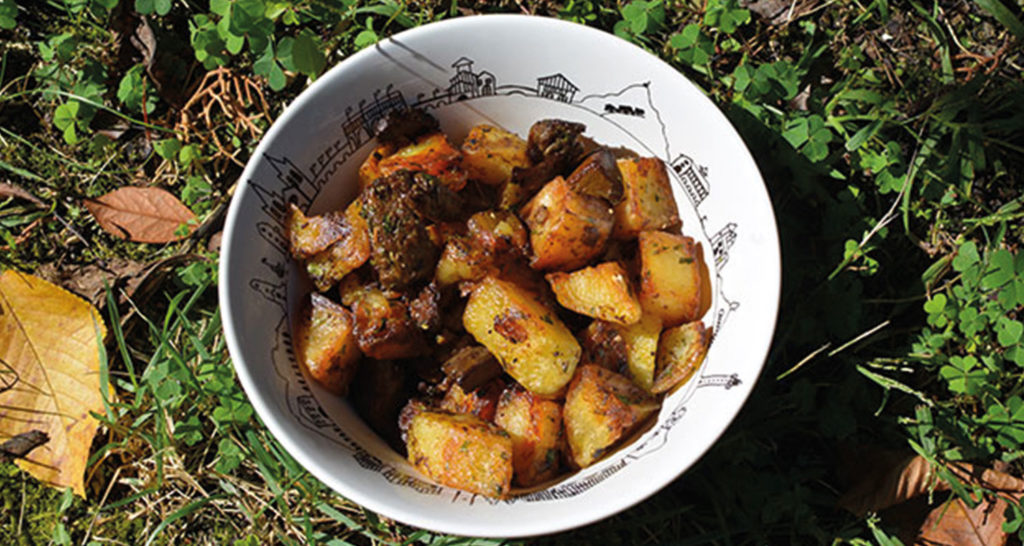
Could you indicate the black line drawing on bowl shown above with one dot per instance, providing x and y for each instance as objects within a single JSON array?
[
  {"x": 292, "y": 184},
  {"x": 721, "y": 242}
]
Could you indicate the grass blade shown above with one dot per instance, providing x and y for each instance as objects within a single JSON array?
[{"x": 1004, "y": 16}]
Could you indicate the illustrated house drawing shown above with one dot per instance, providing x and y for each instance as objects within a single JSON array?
[
  {"x": 694, "y": 179},
  {"x": 355, "y": 130},
  {"x": 721, "y": 242},
  {"x": 466, "y": 84},
  {"x": 556, "y": 87}
]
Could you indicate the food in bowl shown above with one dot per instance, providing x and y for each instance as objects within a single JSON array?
[{"x": 505, "y": 311}]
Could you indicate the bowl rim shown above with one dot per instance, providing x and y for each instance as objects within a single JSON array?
[{"x": 276, "y": 424}]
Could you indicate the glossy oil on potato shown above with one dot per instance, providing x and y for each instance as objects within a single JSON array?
[
  {"x": 602, "y": 292},
  {"x": 310, "y": 235},
  {"x": 343, "y": 256},
  {"x": 680, "y": 353},
  {"x": 642, "y": 348},
  {"x": 601, "y": 406},
  {"x": 524, "y": 334},
  {"x": 670, "y": 277},
  {"x": 489, "y": 154},
  {"x": 326, "y": 344},
  {"x": 647, "y": 202},
  {"x": 567, "y": 229},
  {"x": 535, "y": 426},
  {"x": 431, "y": 154},
  {"x": 461, "y": 451}
]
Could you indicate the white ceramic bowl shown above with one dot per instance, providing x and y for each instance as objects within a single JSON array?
[{"x": 510, "y": 71}]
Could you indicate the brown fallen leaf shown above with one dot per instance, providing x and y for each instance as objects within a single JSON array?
[
  {"x": 886, "y": 478},
  {"x": 144, "y": 215},
  {"x": 896, "y": 484},
  {"x": 90, "y": 281},
  {"x": 50, "y": 340},
  {"x": 953, "y": 523},
  {"x": 11, "y": 190}
]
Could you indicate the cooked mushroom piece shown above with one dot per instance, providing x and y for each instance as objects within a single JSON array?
[
  {"x": 555, "y": 138},
  {"x": 554, "y": 146},
  {"x": 400, "y": 126},
  {"x": 401, "y": 249},
  {"x": 471, "y": 367},
  {"x": 598, "y": 175},
  {"x": 379, "y": 391}
]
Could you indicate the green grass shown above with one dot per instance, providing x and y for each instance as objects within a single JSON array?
[{"x": 891, "y": 138}]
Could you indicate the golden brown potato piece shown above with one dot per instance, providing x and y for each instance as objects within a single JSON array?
[
  {"x": 600, "y": 408},
  {"x": 309, "y": 235},
  {"x": 461, "y": 261},
  {"x": 670, "y": 283},
  {"x": 642, "y": 348},
  {"x": 369, "y": 170},
  {"x": 567, "y": 229},
  {"x": 705, "y": 283},
  {"x": 345, "y": 255},
  {"x": 325, "y": 343},
  {"x": 481, "y": 402},
  {"x": 498, "y": 232},
  {"x": 602, "y": 292},
  {"x": 489, "y": 154},
  {"x": 524, "y": 334},
  {"x": 535, "y": 425},
  {"x": 384, "y": 328},
  {"x": 647, "y": 202},
  {"x": 431, "y": 154},
  {"x": 680, "y": 353},
  {"x": 461, "y": 451}
]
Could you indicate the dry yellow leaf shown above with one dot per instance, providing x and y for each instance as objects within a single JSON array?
[{"x": 50, "y": 342}]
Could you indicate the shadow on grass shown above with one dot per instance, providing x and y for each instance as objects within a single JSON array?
[{"x": 774, "y": 476}]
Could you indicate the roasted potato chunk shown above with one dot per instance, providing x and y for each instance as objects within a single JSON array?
[
  {"x": 325, "y": 343},
  {"x": 602, "y": 292},
  {"x": 343, "y": 256},
  {"x": 670, "y": 277},
  {"x": 481, "y": 402},
  {"x": 461, "y": 451},
  {"x": 369, "y": 169},
  {"x": 601, "y": 407},
  {"x": 535, "y": 425},
  {"x": 524, "y": 334},
  {"x": 680, "y": 353},
  {"x": 647, "y": 202},
  {"x": 489, "y": 154},
  {"x": 567, "y": 229},
  {"x": 642, "y": 349},
  {"x": 461, "y": 261},
  {"x": 309, "y": 235},
  {"x": 499, "y": 233},
  {"x": 431, "y": 154},
  {"x": 384, "y": 328}
]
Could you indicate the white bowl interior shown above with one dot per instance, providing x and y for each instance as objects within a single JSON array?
[{"x": 510, "y": 71}]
